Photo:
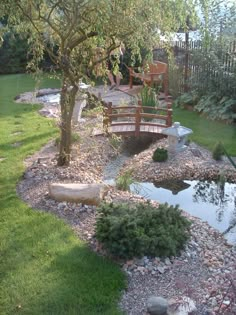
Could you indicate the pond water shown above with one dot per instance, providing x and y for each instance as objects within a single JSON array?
[
  {"x": 50, "y": 98},
  {"x": 210, "y": 201}
]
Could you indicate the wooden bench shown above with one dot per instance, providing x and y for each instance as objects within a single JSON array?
[{"x": 152, "y": 73}]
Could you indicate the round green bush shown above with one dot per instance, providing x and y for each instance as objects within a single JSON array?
[
  {"x": 160, "y": 155},
  {"x": 140, "y": 230}
]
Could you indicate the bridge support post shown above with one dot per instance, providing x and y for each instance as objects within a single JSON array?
[
  {"x": 138, "y": 119},
  {"x": 109, "y": 112},
  {"x": 169, "y": 117}
]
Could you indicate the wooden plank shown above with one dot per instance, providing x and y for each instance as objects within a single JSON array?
[
  {"x": 122, "y": 115},
  {"x": 124, "y": 107}
]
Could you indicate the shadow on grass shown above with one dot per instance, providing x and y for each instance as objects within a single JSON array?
[{"x": 24, "y": 142}]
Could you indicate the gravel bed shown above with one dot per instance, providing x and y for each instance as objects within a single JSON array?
[{"x": 206, "y": 267}]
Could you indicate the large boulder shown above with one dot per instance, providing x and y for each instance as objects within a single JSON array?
[{"x": 90, "y": 194}]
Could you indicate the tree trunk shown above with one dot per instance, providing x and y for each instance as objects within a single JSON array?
[{"x": 67, "y": 104}]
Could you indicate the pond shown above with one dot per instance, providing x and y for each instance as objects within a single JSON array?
[
  {"x": 50, "y": 98},
  {"x": 212, "y": 202}
]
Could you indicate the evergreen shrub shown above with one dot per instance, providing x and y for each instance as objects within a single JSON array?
[
  {"x": 160, "y": 155},
  {"x": 142, "y": 229}
]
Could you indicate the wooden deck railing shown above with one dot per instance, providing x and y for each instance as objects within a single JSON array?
[{"x": 138, "y": 117}]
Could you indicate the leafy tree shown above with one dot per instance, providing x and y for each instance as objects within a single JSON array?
[
  {"x": 80, "y": 34},
  {"x": 13, "y": 54}
]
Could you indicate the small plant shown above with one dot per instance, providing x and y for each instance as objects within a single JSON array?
[
  {"x": 132, "y": 231},
  {"x": 115, "y": 141},
  {"x": 149, "y": 99},
  {"x": 218, "y": 151},
  {"x": 124, "y": 181},
  {"x": 160, "y": 155}
]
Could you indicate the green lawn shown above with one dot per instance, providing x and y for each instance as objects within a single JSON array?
[
  {"x": 44, "y": 268},
  {"x": 206, "y": 132}
]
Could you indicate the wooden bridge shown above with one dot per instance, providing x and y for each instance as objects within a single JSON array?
[{"x": 136, "y": 120}]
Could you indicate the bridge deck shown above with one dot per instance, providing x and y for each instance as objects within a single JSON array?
[{"x": 127, "y": 128}]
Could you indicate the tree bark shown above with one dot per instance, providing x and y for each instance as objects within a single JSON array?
[{"x": 67, "y": 103}]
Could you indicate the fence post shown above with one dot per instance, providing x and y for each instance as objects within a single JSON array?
[{"x": 138, "y": 118}]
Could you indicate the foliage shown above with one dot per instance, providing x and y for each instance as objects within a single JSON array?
[
  {"x": 213, "y": 105},
  {"x": 190, "y": 98},
  {"x": 211, "y": 67},
  {"x": 115, "y": 141},
  {"x": 45, "y": 268},
  {"x": 217, "y": 107},
  {"x": 124, "y": 181},
  {"x": 218, "y": 151},
  {"x": 149, "y": 99},
  {"x": 128, "y": 231},
  {"x": 13, "y": 54},
  {"x": 160, "y": 155}
]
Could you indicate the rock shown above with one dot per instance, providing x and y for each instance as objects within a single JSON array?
[
  {"x": 167, "y": 261},
  {"x": 91, "y": 194},
  {"x": 157, "y": 305},
  {"x": 161, "y": 269}
]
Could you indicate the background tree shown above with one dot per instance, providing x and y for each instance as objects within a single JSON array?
[{"x": 71, "y": 31}]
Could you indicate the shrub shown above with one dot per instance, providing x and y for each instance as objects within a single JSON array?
[
  {"x": 160, "y": 155},
  {"x": 124, "y": 181},
  {"x": 149, "y": 100},
  {"x": 190, "y": 98},
  {"x": 143, "y": 229},
  {"x": 218, "y": 151}
]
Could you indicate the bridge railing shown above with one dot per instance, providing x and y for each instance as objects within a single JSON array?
[{"x": 138, "y": 116}]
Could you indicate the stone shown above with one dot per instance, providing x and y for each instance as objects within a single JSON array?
[
  {"x": 90, "y": 194},
  {"x": 161, "y": 269},
  {"x": 157, "y": 305},
  {"x": 80, "y": 103}
]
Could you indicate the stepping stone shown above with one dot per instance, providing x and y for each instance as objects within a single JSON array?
[{"x": 16, "y": 144}]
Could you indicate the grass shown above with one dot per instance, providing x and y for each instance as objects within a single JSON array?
[
  {"x": 45, "y": 268},
  {"x": 206, "y": 132}
]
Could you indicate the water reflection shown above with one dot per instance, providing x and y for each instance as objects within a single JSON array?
[
  {"x": 212, "y": 202},
  {"x": 219, "y": 194},
  {"x": 175, "y": 186}
]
